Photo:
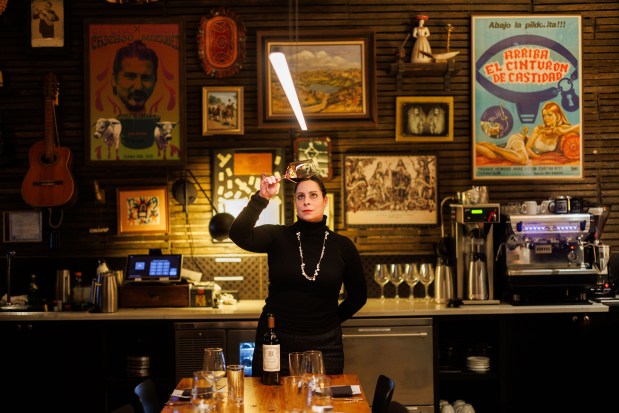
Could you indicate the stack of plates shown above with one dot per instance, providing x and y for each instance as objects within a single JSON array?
[{"x": 478, "y": 364}]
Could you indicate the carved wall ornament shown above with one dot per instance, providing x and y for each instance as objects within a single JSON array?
[{"x": 221, "y": 43}]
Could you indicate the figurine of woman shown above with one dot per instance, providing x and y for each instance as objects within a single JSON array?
[{"x": 421, "y": 34}]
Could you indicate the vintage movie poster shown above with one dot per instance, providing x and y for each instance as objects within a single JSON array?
[
  {"x": 527, "y": 91},
  {"x": 134, "y": 93}
]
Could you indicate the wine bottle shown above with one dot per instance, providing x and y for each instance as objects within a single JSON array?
[{"x": 270, "y": 354}]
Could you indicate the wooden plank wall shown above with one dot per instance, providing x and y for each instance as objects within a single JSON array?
[{"x": 21, "y": 110}]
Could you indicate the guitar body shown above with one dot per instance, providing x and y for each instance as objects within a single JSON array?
[{"x": 48, "y": 182}]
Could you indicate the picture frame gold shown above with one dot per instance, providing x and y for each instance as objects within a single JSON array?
[
  {"x": 345, "y": 93},
  {"x": 22, "y": 226},
  {"x": 390, "y": 190},
  {"x": 142, "y": 210},
  {"x": 424, "y": 119},
  {"x": 223, "y": 110}
]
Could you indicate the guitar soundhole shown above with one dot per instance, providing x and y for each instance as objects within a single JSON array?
[{"x": 49, "y": 161}]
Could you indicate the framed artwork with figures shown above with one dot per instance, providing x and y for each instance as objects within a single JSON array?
[
  {"x": 142, "y": 210},
  {"x": 424, "y": 119},
  {"x": 47, "y": 20},
  {"x": 318, "y": 149}
]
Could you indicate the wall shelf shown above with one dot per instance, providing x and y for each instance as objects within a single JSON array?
[{"x": 444, "y": 69}]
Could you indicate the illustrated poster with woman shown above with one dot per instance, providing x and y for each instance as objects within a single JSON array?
[
  {"x": 527, "y": 91},
  {"x": 134, "y": 92}
]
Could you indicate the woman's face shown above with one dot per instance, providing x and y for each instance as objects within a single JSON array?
[
  {"x": 309, "y": 202},
  {"x": 550, "y": 118}
]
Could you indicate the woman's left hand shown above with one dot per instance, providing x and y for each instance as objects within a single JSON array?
[{"x": 269, "y": 186}]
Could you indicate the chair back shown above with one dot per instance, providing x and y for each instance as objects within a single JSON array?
[
  {"x": 382, "y": 394},
  {"x": 147, "y": 393}
]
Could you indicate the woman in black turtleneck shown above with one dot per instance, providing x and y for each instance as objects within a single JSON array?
[{"x": 307, "y": 265}]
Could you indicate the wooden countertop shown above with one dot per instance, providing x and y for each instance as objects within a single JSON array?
[{"x": 250, "y": 310}]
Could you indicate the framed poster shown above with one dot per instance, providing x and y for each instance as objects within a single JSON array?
[
  {"x": 424, "y": 119},
  {"x": 390, "y": 190},
  {"x": 134, "y": 93},
  {"x": 527, "y": 88},
  {"x": 22, "y": 226},
  {"x": 222, "y": 110},
  {"x": 47, "y": 20},
  {"x": 236, "y": 177},
  {"x": 318, "y": 149},
  {"x": 334, "y": 75},
  {"x": 142, "y": 210}
]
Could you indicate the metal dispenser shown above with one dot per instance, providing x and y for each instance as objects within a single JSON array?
[{"x": 474, "y": 254}]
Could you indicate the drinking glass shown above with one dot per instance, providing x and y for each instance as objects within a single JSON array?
[
  {"x": 295, "y": 363},
  {"x": 202, "y": 391},
  {"x": 426, "y": 276},
  {"x": 396, "y": 277},
  {"x": 298, "y": 171},
  {"x": 215, "y": 362},
  {"x": 381, "y": 276},
  {"x": 411, "y": 277},
  {"x": 313, "y": 363}
]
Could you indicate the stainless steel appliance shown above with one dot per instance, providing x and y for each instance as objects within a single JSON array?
[
  {"x": 472, "y": 226},
  {"x": 401, "y": 349},
  {"x": 551, "y": 258}
]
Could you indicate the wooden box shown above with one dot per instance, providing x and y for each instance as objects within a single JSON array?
[{"x": 149, "y": 295}]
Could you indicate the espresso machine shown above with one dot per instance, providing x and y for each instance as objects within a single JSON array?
[
  {"x": 472, "y": 226},
  {"x": 555, "y": 258}
]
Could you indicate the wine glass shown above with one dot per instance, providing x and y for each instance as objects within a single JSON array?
[
  {"x": 411, "y": 277},
  {"x": 426, "y": 276},
  {"x": 300, "y": 170},
  {"x": 214, "y": 361},
  {"x": 396, "y": 277},
  {"x": 381, "y": 276}
]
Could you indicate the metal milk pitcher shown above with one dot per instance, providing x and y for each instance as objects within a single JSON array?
[{"x": 109, "y": 293}]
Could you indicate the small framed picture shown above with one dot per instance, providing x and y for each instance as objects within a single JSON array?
[
  {"x": 318, "y": 149},
  {"x": 22, "y": 226},
  {"x": 222, "y": 110},
  {"x": 424, "y": 119},
  {"x": 142, "y": 210},
  {"x": 46, "y": 26}
]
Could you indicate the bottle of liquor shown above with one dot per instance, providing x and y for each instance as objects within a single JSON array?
[
  {"x": 33, "y": 293},
  {"x": 270, "y": 354}
]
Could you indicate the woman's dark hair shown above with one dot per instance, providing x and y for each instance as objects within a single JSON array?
[{"x": 316, "y": 179}]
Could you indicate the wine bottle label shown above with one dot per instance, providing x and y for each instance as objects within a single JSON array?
[{"x": 270, "y": 357}]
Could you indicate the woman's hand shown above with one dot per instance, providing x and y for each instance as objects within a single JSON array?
[{"x": 269, "y": 186}]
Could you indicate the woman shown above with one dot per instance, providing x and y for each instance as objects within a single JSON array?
[
  {"x": 544, "y": 138},
  {"x": 421, "y": 34},
  {"x": 307, "y": 265}
]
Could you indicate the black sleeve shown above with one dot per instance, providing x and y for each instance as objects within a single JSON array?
[
  {"x": 354, "y": 283},
  {"x": 243, "y": 230}
]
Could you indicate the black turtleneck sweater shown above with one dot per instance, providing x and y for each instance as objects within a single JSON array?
[{"x": 302, "y": 306}]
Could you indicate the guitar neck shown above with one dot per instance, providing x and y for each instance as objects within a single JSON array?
[{"x": 49, "y": 129}]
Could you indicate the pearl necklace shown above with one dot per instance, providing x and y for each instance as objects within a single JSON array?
[{"x": 324, "y": 242}]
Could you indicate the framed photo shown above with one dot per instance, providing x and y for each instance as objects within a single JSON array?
[
  {"x": 236, "y": 177},
  {"x": 142, "y": 210},
  {"x": 390, "y": 190},
  {"x": 22, "y": 226},
  {"x": 222, "y": 110},
  {"x": 334, "y": 72},
  {"x": 128, "y": 124},
  {"x": 47, "y": 20},
  {"x": 318, "y": 149},
  {"x": 424, "y": 119},
  {"x": 527, "y": 93}
]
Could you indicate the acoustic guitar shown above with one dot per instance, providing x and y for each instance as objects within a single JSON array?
[{"x": 48, "y": 182}]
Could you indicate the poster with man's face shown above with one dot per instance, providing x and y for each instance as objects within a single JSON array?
[{"x": 134, "y": 92}]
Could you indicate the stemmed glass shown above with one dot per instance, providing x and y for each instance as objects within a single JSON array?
[
  {"x": 426, "y": 276},
  {"x": 381, "y": 276},
  {"x": 411, "y": 277},
  {"x": 396, "y": 276},
  {"x": 215, "y": 362}
]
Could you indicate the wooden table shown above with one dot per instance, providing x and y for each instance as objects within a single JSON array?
[{"x": 266, "y": 399}]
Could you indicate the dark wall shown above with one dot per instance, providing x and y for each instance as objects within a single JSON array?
[{"x": 22, "y": 114}]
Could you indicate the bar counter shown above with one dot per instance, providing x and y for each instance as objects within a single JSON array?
[{"x": 250, "y": 309}]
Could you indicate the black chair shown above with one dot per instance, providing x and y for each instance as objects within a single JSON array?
[
  {"x": 125, "y": 408},
  {"x": 147, "y": 393},
  {"x": 382, "y": 394},
  {"x": 396, "y": 407}
]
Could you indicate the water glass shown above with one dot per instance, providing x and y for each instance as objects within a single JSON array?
[
  {"x": 313, "y": 363},
  {"x": 203, "y": 391},
  {"x": 295, "y": 363},
  {"x": 318, "y": 393},
  {"x": 236, "y": 383},
  {"x": 291, "y": 394}
]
